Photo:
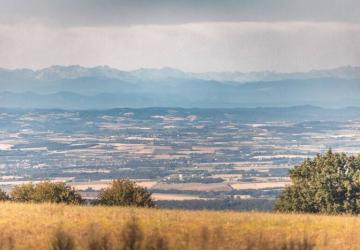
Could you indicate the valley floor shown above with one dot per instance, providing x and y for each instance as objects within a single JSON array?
[{"x": 50, "y": 226}]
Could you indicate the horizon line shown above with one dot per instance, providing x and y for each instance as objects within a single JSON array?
[{"x": 177, "y": 69}]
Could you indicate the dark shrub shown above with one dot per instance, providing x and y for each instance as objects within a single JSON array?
[
  {"x": 125, "y": 193},
  {"x": 4, "y": 196}
]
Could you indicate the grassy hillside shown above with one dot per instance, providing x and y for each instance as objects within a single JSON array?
[{"x": 50, "y": 226}]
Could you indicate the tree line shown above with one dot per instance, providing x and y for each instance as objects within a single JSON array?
[{"x": 121, "y": 192}]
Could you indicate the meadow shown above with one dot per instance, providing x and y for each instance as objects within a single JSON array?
[{"x": 54, "y": 226}]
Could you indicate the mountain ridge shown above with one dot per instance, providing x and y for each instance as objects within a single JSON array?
[
  {"x": 76, "y": 71},
  {"x": 105, "y": 87}
]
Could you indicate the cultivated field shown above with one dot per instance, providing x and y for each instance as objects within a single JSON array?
[
  {"x": 49, "y": 226},
  {"x": 260, "y": 185},
  {"x": 193, "y": 186}
]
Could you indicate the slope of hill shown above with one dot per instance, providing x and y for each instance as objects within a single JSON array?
[
  {"x": 103, "y": 87},
  {"x": 50, "y": 226}
]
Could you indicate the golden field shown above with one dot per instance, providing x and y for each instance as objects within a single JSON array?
[{"x": 51, "y": 226}]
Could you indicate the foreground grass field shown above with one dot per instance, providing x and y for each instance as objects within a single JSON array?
[{"x": 50, "y": 226}]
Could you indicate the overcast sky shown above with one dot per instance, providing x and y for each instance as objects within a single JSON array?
[{"x": 198, "y": 35}]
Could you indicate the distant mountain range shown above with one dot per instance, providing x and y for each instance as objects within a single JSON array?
[{"x": 102, "y": 87}]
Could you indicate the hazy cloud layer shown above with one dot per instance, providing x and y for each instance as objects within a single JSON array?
[
  {"x": 201, "y": 35},
  {"x": 246, "y": 46}
]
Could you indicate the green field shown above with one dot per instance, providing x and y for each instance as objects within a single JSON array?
[{"x": 51, "y": 226}]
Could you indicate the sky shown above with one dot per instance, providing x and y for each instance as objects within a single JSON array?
[{"x": 197, "y": 35}]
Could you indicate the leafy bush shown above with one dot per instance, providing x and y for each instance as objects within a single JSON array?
[
  {"x": 125, "y": 193},
  {"x": 4, "y": 196},
  {"x": 329, "y": 183},
  {"x": 23, "y": 193},
  {"x": 46, "y": 192}
]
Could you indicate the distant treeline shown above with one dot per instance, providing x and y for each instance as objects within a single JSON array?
[
  {"x": 121, "y": 192},
  {"x": 220, "y": 204}
]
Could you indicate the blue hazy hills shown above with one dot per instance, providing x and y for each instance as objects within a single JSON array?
[{"x": 76, "y": 87}]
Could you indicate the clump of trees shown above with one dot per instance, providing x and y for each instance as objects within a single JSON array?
[
  {"x": 46, "y": 192},
  {"x": 329, "y": 183},
  {"x": 119, "y": 193},
  {"x": 124, "y": 192}
]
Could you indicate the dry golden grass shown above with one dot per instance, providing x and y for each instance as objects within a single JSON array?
[{"x": 50, "y": 226}]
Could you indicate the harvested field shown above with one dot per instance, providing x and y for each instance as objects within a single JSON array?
[
  {"x": 194, "y": 186},
  {"x": 259, "y": 185},
  {"x": 98, "y": 185}
]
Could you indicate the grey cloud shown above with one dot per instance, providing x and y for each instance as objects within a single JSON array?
[
  {"x": 255, "y": 46},
  {"x": 133, "y": 12}
]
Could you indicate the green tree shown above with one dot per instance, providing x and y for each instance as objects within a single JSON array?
[
  {"x": 329, "y": 183},
  {"x": 46, "y": 192},
  {"x": 124, "y": 192}
]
